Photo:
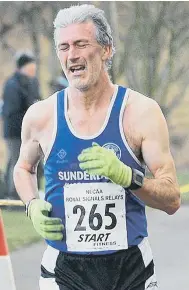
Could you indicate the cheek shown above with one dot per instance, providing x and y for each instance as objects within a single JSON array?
[
  {"x": 95, "y": 60},
  {"x": 61, "y": 57}
]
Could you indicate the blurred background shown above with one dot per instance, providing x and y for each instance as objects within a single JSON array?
[
  {"x": 152, "y": 57},
  {"x": 152, "y": 43}
]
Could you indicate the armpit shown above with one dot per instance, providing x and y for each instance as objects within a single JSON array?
[{"x": 135, "y": 146}]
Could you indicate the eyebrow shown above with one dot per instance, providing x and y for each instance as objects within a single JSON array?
[{"x": 75, "y": 42}]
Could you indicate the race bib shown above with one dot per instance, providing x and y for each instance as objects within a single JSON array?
[{"x": 95, "y": 217}]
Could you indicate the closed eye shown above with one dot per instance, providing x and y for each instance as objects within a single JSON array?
[
  {"x": 81, "y": 44},
  {"x": 78, "y": 44},
  {"x": 64, "y": 47}
]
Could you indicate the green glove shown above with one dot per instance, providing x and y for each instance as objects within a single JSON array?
[
  {"x": 49, "y": 228},
  {"x": 101, "y": 161}
]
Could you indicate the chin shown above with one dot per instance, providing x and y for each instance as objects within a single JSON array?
[{"x": 81, "y": 86}]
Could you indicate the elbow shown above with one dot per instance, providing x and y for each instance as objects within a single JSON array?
[
  {"x": 173, "y": 208},
  {"x": 175, "y": 204}
]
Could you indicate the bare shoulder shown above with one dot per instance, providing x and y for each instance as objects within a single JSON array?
[
  {"x": 145, "y": 109},
  {"x": 142, "y": 119},
  {"x": 150, "y": 122},
  {"x": 142, "y": 103},
  {"x": 39, "y": 112},
  {"x": 38, "y": 116}
]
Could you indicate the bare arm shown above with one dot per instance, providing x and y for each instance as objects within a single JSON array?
[
  {"x": 162, "y": 191},
  {"x": 25, "y": 177}
]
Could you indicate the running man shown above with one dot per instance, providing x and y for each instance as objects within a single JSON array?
[{"x": 96, "y": 138}]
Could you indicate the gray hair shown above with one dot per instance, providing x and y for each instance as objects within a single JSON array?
[{"x": 84, "y": 13}]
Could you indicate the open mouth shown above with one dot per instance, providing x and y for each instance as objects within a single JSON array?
[{"x": 78, "y": 68}]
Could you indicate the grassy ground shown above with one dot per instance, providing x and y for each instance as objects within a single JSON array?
[{"x": 19, "y": 229}]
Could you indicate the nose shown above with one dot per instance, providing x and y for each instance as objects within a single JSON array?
[{"x": 73, "y": 53}]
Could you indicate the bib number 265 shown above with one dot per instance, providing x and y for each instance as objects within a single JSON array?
[{"x": 95, "y": 219}]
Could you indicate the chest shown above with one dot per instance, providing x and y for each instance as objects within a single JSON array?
[{"x": 90, "y": 125}]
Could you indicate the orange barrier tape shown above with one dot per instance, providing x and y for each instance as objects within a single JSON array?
[{"x": 3, "y": 242}]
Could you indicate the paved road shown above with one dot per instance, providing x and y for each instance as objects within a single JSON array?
[
  {"x": 169, "y": 237},
  {"x": 26, "y": 266}
]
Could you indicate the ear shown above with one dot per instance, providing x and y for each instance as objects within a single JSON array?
[{"x": 106, "y": 52}]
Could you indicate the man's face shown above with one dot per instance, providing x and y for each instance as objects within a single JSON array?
[
  {"x": 29, "y": 69},
  {"x": 81, "y": 56}
]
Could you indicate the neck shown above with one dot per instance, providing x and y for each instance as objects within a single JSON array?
[{"x": 94, "y": 97}]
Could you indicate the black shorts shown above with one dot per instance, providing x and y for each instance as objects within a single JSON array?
[{"x": 131, "y": 269}]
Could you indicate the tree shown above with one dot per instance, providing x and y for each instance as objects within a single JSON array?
[
  {"x": 153, "y": 43},
  {"x": 35, "y": 19}
]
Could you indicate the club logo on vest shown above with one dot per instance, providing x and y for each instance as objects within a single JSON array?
[
  {"x": 61, "y": 155},
  {"x": 114, "y": 147}
]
